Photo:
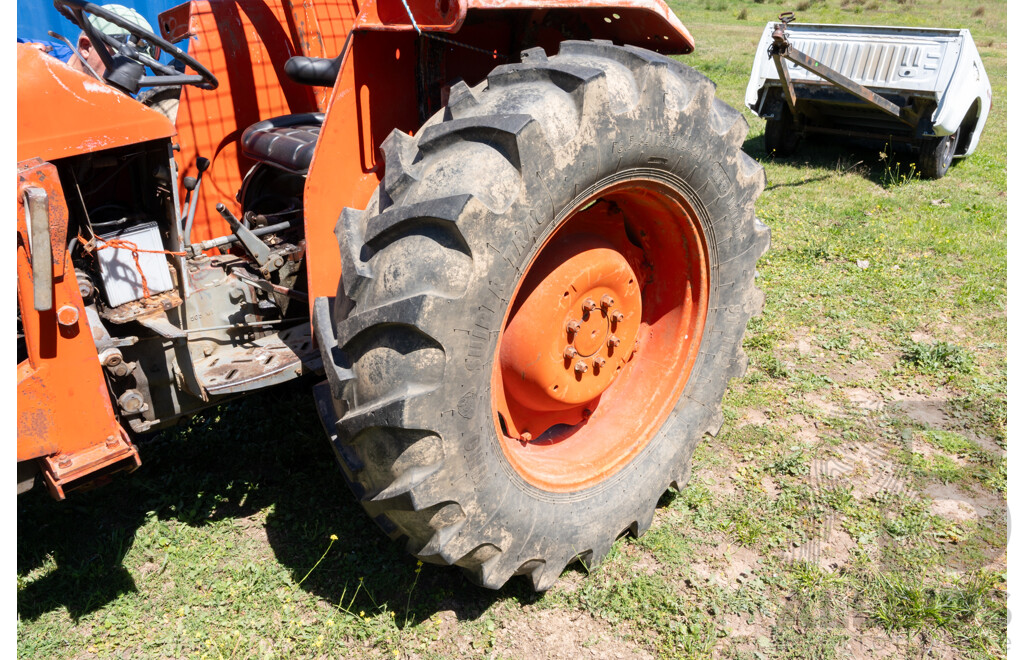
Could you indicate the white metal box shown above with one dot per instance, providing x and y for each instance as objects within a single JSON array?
[{"x": 121, "y": 279}]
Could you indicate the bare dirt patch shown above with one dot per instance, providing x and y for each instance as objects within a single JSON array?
[
  {"x": 865, "y": 399},
  {"x": 867, "y": 643},
  {"x": 826, "y": 407},
  {"x": 924, "y": 449},
  {"x": 562, "y": 635},
  {"x": 864, "y": 467},
  {"x": 753, "y": 417},
  {"x": 807, "y": 430},
  {"x": 950, "y": 502},
  {"x": 925, "y": 410}
]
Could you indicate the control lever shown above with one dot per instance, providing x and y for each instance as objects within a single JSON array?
[
  {"x": 192, "y": 185},
  {"x": 267, "y": 260}
]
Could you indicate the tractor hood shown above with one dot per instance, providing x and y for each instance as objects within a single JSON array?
[{"x": 62, "y": 112}]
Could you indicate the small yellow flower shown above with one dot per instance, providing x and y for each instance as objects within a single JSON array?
[
  {"x": 334, "y": 537},
  {"x": 319, "y": 640},
  {"x": 419, "y": 563},
  {"x": 396, "y": 653},
  {"x": 329, "y": 622},
  {"x": 181, "y": 611},
  {"x": 362, "y": 614}
]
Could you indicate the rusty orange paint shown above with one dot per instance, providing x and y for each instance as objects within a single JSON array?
[
  {"x": 245, "y": 44},
  {"x": 347, "y": 166},
  {"x": 565, "y": 430},
  {"x": 62, "y": 112},
  {"x": 570, "y": 335},
  {"x": 63, "y": 403},
  {"x": 430, "y": 15},
  {"x": 646, "y": 23}
]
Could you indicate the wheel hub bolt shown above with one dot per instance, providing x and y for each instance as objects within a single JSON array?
[
  {"x": 525, "y": 437},
  {"x": 599, "y": 362},
  {"x": 569, "y": 353},
  {"x": 606, "y": 302},
  {"x": 581, "y": 367},
  {"x": 572, "y": 327},
  {"x": 613, "y": 341},
  {"x": 589, "y": 305},
  {"x": 618, "y": 317}
]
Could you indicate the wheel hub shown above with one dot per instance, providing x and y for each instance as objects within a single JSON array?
[{"x": 572, "y": 334}]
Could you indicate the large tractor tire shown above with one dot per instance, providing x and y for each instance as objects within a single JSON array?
[{"x": 541, "y": 307}]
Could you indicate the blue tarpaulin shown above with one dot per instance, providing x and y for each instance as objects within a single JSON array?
[{"x": 36, "y": 17}]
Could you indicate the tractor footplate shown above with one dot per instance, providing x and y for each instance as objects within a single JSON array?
[{"x": 89, "y": 467}]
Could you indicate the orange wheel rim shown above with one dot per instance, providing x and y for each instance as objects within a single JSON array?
[{"x": 601, "y": 336}]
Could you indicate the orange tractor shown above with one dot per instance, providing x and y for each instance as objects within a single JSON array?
[{"x": 513, "y": 238}]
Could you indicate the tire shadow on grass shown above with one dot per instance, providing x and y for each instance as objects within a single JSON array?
[{"x": 233, "y": 462}]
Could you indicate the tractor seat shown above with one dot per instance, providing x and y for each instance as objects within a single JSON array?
[{"x": 286, "y": 142}]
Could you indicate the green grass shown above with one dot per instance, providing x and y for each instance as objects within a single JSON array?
[{"x": 854, "y": 498}]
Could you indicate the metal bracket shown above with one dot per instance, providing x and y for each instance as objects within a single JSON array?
[
  {"x": 781, "y": 50},
  {"x": 267, "y": 260},
  {"x": 37, "y": 207}
]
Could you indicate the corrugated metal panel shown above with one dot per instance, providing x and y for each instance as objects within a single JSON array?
[{"x": 894, "y": 58}]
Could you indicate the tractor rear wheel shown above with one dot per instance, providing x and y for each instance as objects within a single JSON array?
[{"x": 541, "y": 307}]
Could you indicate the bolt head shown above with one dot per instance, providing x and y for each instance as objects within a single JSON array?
[
  {"x": 526, "y": 436},
  {"x": 607, "y": 301},
  {"x": 572, "y": 327},
  {"x": 67, "y": 316},
  {"x": 618, "y": 317},
  {"x": 581, "y": 367},
  {"x": 589, "y": 305},
  {"x": 569, "y": 353},
  {"x": 599, "y": 362},
  {"x": 613, "y": 341}
]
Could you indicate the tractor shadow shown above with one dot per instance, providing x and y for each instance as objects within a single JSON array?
[
  {"x": 885, "y": 166},
  {"x": 235, "y": 463}
]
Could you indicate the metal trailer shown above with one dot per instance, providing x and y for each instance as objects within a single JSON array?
[{"x": 925, "y": 88}]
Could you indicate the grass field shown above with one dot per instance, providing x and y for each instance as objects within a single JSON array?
[{"x": 853, "y": 504}]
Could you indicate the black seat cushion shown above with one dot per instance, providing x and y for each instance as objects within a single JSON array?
[
  {"x": 287, "y": 142},
  {"x": 317, "y": 71}
]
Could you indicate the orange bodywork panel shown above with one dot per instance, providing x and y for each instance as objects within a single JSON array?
[
  {"x": 646, "y": 23},
  {"x": 62, "y": 112},
  {"x": 64, "y": 409},
  {"x": 246, "y": 44}
]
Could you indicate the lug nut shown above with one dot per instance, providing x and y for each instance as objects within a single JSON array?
[
  {"x": 599, "y": 362},
  {"x": 607, "y": 301},
  {"x": 589, "y": 305},
  {"x": 569, "y": 353},
  {"x": 572, "y": 327},
  {"x": 618, "y": 317},
  {"x": 581, "y": 367},
  {"x": 525, "y": 437},
  {"x": 613, "y": 341}
]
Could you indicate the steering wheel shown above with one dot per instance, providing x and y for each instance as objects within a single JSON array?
[{"x": 126, "y": 68}]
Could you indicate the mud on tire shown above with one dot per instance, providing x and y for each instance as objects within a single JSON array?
[{"x": 432, "y": 272}]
